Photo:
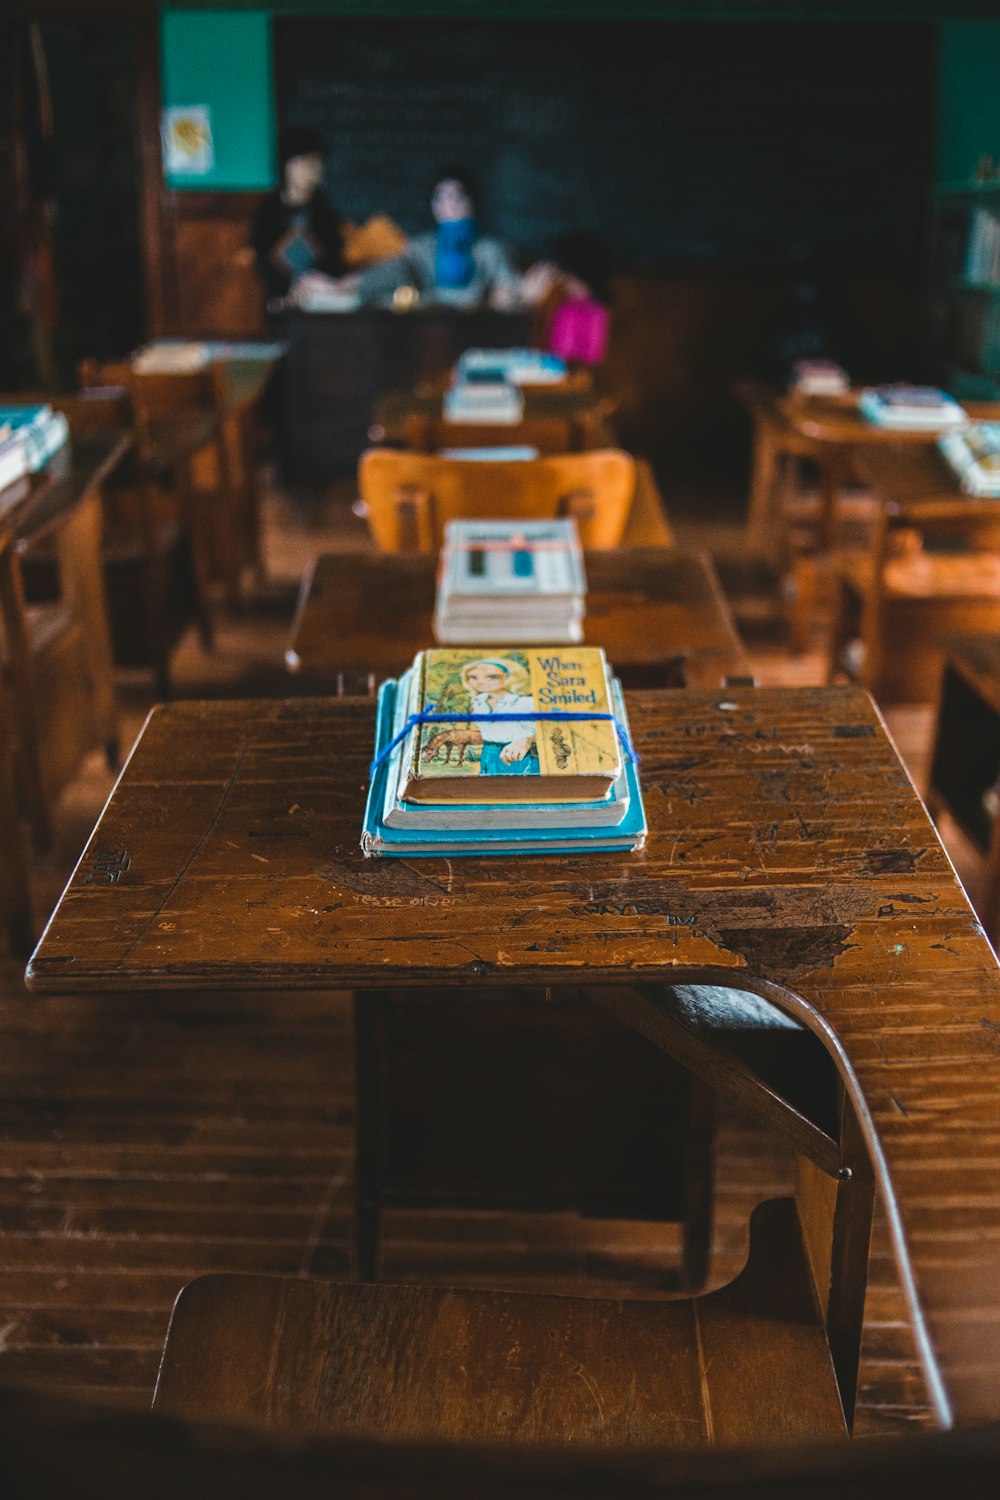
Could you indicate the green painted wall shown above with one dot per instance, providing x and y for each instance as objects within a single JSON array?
[
  {"x": 223, "y": 59},
  {"x": 968, "y": 97}
]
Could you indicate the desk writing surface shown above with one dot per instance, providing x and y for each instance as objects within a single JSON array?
[
  {"x": 838, "y": 420},
  {"x": 918, "y": 479},
  {"x": 650, "y": 610},
  {"x": 787, "y": 848},
  {"x": 72, "y": 474}
]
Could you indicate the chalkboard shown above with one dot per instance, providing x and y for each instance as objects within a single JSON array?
[{"x": 711, "y": 144}]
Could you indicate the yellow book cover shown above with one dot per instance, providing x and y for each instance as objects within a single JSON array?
[{"x": 503, "y": 752}]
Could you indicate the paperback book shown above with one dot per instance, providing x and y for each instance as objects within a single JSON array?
[
  {"x": 911, "y": 406},
  {"x": 518, "y": 725}
]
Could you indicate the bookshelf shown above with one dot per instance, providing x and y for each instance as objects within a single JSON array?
[{"x": 965, "y": 287}]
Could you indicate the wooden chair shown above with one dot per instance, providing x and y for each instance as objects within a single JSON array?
[
  {"x": 57, "y": 658},
  {"x": 927, "y": 577},
  {"x": 184, "y": 422},
  {"x": 154, "y": 568},
  {"x": 410, "y": 496},
  {"x": 54, "y": 1446},
  {"x": 772, "y": 1357},
  {"x": 578, "y": 433}
]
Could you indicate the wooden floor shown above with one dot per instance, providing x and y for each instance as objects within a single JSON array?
[{"x": 146, "y": 1140}]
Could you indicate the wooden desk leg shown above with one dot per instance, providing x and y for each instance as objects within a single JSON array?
[
  {"x": 761, "y": 519},
  {"x": 193, "y": 521},
  {"x": 699, "y": 1198},
  {"x": 24, "y": 695},
  {"x": 837, "y": 1219},
  {"x": 833, "y": 473},
  {"x": 15, "y": 902},
  {"x": 369, "y": 1064},
  {"x": 81, "y": 577}
]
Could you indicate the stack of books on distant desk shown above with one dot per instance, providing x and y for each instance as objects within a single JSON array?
[
  {"x": 516, "y": 581},
  {"x": 491, "y": 401},
  {"x": 973, "y": 453},
  {"x": 29, "y": 437},
  {"x": 819, "y": 377},
  {"x": 911, "y": 407},
  {"x": 518, "y": 752},
  {"x": 515, "y": 366}
]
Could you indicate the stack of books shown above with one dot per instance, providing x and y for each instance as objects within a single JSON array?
[
  {"x": 481, "y": 401},
  {"x": 973, "y": 453},
  {"x": 516, "y": 581},
  {"x": 819, "y": 377},
  {"x": 496, "y": 754},
  {"x": 29, "y": 437},
  {"x": 172, "y": 357},
  {"x": 514, "y": 366},
  {"x": 911, "y": 407}
]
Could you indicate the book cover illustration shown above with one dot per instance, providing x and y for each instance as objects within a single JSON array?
[{"x": 515, "y": 684}]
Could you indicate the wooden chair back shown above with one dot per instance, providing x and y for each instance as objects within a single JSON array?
[
  {"x": 932, "y": 573},
  {"x": 410, "y": 496},
  {"x": 413, "y": 1363},
  {"x": 549, "y": 435}
]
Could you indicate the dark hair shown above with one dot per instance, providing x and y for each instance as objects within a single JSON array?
[
  {"x": 465, "y": 180},
  {"x": 299, "y": 140},
  {"x": 586, "y": 256}
]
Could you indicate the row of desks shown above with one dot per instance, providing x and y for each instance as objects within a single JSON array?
[{"x": 788, "y": 855}]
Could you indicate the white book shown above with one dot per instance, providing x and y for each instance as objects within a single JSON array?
[{"x": 495, "y": 403}]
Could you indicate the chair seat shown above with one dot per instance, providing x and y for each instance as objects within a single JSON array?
[
  {"x": 748, "y": 1363},
  {"x": 971, "y": 575}
]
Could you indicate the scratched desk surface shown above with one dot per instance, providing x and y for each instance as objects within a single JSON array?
[
  {"x": 788, "y": 853},
  {"x": 660, "y": 615}
]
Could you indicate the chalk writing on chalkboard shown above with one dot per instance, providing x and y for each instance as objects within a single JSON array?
[{"x": 683, "y": 143}]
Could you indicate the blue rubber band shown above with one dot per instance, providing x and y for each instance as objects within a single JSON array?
[{"x": 560, "y": 716}]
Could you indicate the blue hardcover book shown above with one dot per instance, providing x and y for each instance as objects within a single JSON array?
[{"x": 379, "y": 840}]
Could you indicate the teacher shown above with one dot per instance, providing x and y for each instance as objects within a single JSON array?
[
  {"x": 296, "y": 235},
  {"x": 453, "y": 264}
]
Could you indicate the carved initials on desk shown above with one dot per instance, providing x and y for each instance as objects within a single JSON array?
[{"x": 107, "y": 867}]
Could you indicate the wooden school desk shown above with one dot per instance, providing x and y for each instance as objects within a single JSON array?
[
  {"x": 901, "y": 605},
  {"x": 660, "y": 615},
  {"x": 58, "y": 652},
  {"x": 828, "y": 429},
  {"x": 788, "y": 854}
]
